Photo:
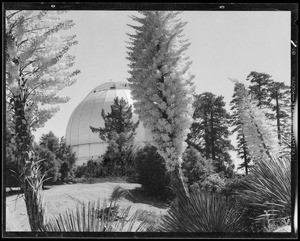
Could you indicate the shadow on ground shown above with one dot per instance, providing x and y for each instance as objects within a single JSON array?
[{"x": 139, "y": 195}]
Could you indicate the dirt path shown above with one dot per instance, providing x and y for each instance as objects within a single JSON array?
[{"x": 59, "y": 198}]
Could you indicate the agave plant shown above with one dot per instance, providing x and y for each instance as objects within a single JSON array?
[
  {"x": 86, "y": 218},
  {"x": 203, "y": 211},
  {"x": 268, "y": 190}
]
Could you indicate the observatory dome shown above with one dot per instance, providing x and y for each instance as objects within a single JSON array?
[{"x": 83, "y": 141}]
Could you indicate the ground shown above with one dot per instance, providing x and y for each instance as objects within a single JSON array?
[{"x": 59, "y": 198}]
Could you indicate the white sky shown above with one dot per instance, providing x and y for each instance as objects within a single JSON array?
[{"x": 223, "y": 44}]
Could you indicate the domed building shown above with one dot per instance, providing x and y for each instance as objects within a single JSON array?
[{"x": 83, "y": 141}]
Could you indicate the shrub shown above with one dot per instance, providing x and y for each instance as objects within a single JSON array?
[
  {"x": 50, "y": 166},
  {"x": 79, "y": 170},
  {"x": 234, "y": 185},
  {"x": 93, "y": 169},
  {"x": 195, "y": 167},
  {"x": 213, "y": 183},
  {"x": 152, "y": 173}
]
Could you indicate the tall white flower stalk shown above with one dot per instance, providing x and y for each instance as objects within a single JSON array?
[{"x": 160, "y": 81}]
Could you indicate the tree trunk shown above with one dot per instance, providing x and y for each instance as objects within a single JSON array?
[
  {"x": 245, "y": 160},
  {"x": 278, "y": 118},
  {"x": 213, "y": 154},
  {"x": 34, "y": 207},
  {"x": 23, "y": 144}
]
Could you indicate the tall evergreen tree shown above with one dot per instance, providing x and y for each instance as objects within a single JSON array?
[
  {"x": 242, "y": 149},
  {"x": 37, "y": 67},
  {"x": 119, "y": 132},
  {"x": 280, "y": 104},
  {"x": 162, "y": 85},
  {"x": 209, "y": 132},
  {"x": 276, "y": 97},
  {"x": 260, "y": 83}
]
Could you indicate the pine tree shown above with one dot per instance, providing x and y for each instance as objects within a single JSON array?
[
  {"x": 209, "y": 132},
  {"x": 162, "y": 85},
  {"x": 119, "y": 132},
  {"x": 280, "y": 104},
  {"x": 276, "y": 97},
  {"x": 242, "y": 149},
  {"x": 37, "y": 67},
  {"x": 259, "y": 87}
]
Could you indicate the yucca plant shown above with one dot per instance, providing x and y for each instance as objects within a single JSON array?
[
  {"x": 268, "y": 190},
  {"x": 203, "y": 212},
  {"x": 86, "y": 218}
]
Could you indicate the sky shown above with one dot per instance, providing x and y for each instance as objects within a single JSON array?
[{"x": 224, "y": 44}]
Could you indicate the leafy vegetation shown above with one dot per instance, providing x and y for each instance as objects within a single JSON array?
[
  {"x": 59, "y": 159},
  {"x": 119, "y": 132},
  {"x": 152, "y": 173},
  {"x": 209, "y": 131},
  {"x": 37, "y": 67}
]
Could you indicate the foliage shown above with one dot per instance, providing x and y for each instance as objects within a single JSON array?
[
  {"x": 280, "y": 105},
  {"x": 119, "y": 132},
  {"x": 276, "y": 98},
  {"x": 79, "y": 170},
  {"x": 37, "y": 63},
  {"x": 259, "y": 87},
  {"x": 260, "y": 134},
  {"x": 213, "y": 183},
  {"x": 268, "y": 190},
  {"x": 86, "y": 219},
  {"x": 161, "y": 85},
  {"x": 204, "y": 212},
  {"x": 209, "y": 131},
  {"x": 152, "y": 173},
  {"x": 236, "y": 122},
  {"x": 94, "y": 169},
  {"x": 11, "y": 165},
  {"x": 59, "y": 158},
  {"x": 50, "y": 166},
  {"x": 195, "y": 167},
  {"x": 37, "y": 67},
  {"x": 234, "y": 185}
]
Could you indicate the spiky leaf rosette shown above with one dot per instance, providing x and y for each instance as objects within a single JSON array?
[{"x": 204, "y": 212}]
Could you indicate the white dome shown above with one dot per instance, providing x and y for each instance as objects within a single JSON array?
[{"x": 83, "y": 141}]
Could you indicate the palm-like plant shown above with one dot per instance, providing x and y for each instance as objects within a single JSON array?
[
  {"x": 86, "y": 218},
  {"x": 268, "y": 190},
  {"x": 203, "y": 212}
]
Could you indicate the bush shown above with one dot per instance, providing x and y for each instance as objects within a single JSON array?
[
  {"x": 195, "y": 167},
  {"x": 91, "y": 169},
  {"x": 152, "y": 174},
  {"x": 50, "y": 166},
  {"x": 213, "y": 183}
]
